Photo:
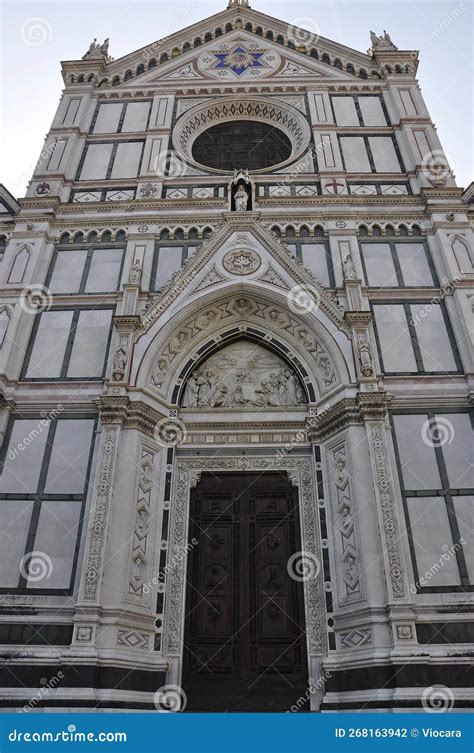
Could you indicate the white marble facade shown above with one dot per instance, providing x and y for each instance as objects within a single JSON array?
[{"x": 324, "y": 332}]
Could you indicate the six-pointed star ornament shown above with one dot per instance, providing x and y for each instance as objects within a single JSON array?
[{"x": 239, "y": 59}]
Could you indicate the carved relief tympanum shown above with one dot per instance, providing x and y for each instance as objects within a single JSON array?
[{"x": 243, "y": 375}]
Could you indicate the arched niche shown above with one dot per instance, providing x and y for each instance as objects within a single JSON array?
[
  {"x": 19, "y": 265},
  {"x": 462, "y": 253},
  {"x": 5, "y": 317}
]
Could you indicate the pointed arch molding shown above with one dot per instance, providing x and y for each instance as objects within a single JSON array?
[
  {"x": 193, "y": 315},
  {"x": 188, "y": 471},
  {"x": 180, "y": 348}
]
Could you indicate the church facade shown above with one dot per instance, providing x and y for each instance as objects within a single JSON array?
[{"x": 236, "y": 367}]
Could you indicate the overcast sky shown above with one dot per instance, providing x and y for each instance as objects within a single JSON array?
[{"x": 37, "y": 35}]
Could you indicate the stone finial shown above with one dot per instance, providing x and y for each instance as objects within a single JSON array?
[
  {"x": 382, "y": 42},
  {"x": 97, "y": 51},
  {"x": 238, "y": 3}
]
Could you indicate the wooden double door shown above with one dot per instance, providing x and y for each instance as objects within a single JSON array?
[{"x": 245, "y": 642}]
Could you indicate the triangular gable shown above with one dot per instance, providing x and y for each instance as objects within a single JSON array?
[
  {"x": 217, "y": 262},
  {"x": 236, "y": 57},
  {"x": 176, "y": 46},
  {"x": 239, "y": 17}
]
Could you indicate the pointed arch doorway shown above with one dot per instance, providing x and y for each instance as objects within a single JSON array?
[{"x": 245, "y": 632}]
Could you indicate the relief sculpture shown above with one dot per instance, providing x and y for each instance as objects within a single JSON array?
[{"x": 243, "y": 375}]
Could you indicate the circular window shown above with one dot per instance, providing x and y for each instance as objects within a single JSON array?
[
  {"x": 241, "y": 144},
  {"x": 251, "y": 133}
]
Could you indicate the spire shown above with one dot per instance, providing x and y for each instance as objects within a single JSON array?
[{"x": 238, "y": 4}]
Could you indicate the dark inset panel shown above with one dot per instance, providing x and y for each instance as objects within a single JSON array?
[
  {"x": 445, "y": 632},
  {"x": 82, "y": 676},
  {"x": 34, "y": 634},
  {"x": 241, "y": 144}
]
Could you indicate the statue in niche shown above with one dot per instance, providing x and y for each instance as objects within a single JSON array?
[
  {"x": 241, "y": 198},
  {"x": 241, "y": 192},
  {"x": 135, "y": 272},
  {"x": 243, "y": 375},
  {"x": 120, "y": 361},
  {"x": 365, "y": 358},
  {"x": 349, "y": 268}
]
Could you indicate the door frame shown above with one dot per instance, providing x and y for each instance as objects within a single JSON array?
[{"x": 186, "y": 477}]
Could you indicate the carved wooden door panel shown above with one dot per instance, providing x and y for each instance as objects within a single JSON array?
[{"x": 245, "y": 645}]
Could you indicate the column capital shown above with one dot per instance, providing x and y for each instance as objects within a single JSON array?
[{"x": 353, "y": 411}]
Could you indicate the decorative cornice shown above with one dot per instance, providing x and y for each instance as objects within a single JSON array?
[
  {"x": 130, "y": 414},
  {"x": 113, "y": 410},
  {"x": 347, "y": 412},
  {"x": 127, "y": 323},
  {"x": 355, "y": 318},
  {"x": 337, "y": 417},
  {"x": 374, "y": 406}
]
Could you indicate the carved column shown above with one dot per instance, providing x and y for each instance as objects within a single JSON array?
[
  {"x": 126, "y": 324},
  {"x": 365, "y": 532},
  {"x": 125, "y": 327},
  {"x": 87, "y": 614},
  {"x": 374, "y": 411}
]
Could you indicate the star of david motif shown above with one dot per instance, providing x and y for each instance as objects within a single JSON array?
[{"x": 239, "y": 60}]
